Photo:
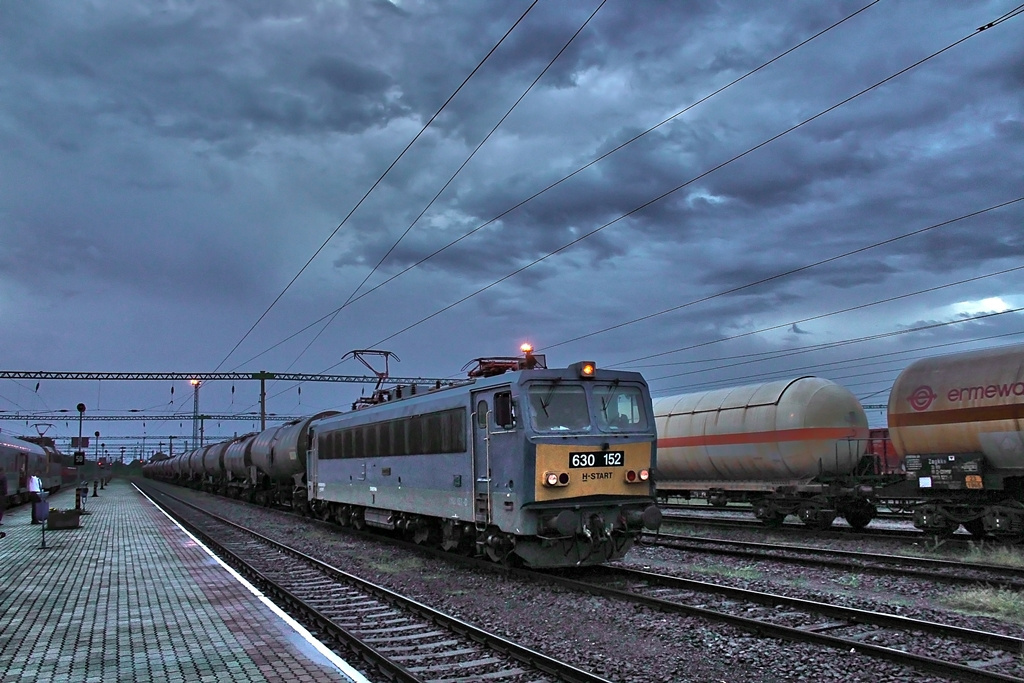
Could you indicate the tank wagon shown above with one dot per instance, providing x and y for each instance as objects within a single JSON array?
[
  {"x": 792, "y": 446},
  {"x": 958, "y": 423},
  {"x": 544, "y": 467}
]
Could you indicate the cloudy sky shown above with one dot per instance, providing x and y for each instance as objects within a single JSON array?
[{"x": 169, "y": 168}]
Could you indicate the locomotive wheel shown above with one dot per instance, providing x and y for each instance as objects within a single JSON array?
[{"x": 975, "y": 527}]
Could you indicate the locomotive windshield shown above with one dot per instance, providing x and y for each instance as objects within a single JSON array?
[
  {"x": 559, "y": 408},
  {"x": 619, "y": 408}
]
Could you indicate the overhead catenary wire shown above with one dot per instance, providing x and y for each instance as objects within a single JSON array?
[
  {"x": 922, "y": 328},
  {"x": 452, "y": 178},
  {"x": 672, "y": 191},
  {"x": 565, "y": 178},
  {"x": 713, "y": 169},
  {"x": 850, "y": 363},
  {"x": 378, "y": 182},
  {"x": 823, "y": 315}
]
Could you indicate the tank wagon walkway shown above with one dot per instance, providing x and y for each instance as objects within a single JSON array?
[{"x": 129, "y": 596}]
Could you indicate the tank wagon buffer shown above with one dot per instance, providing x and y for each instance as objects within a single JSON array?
[
  {"x": 958, "y": 422},
  {"x": 544, "y": 467},
  {"x": 793, "y": 446}
]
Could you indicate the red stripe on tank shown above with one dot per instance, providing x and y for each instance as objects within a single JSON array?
[
  {"x": 806, "y": 434},
  {"x": 1014, "y": 411}
]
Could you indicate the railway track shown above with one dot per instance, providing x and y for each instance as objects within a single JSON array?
[
  {"x": 959, "y": 653},
  {"x": 399, "y": 638},
  {"x": 838, "y": 532},
  {"x": 964, "y": 654},
  {"x": 946, "y": 571}
]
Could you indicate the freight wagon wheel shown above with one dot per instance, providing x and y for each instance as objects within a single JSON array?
[
  {"x": 975, "y": 527},
  {"x": 769, "y": 516},
  {"x": 858, "y": 519}
]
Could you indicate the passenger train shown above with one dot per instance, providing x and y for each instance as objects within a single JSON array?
[
  {"x": 953, "y": 451},
  {"x": 522, "y": 463},
  {"x": 20, "y": 458}
]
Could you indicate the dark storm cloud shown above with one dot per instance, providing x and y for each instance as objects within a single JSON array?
[{"x": 185, "y": 160}]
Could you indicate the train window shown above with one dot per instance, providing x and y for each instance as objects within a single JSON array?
[
  {"x": 457, "y": 419},
  {"x": 504, "y": 410},
  {"x": 481, "y": 414},
  {"x": 384, "y": 434},
  {"x": 371, "y": 445},
  {"x": 620, "y": 408},
  {"x": 558, "y": 407},
  {"x": 435, "y": 433},
  {"x": 348, "y": 448},
  {"x": 416, "y": 436},
  {"x": 401, "y": 439}
]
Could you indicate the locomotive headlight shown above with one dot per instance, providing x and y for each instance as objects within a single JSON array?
[
  {"x": 587, "y": 369},
  {"x": 644, "y": 475},
  {"x": 551, "y": 479}
]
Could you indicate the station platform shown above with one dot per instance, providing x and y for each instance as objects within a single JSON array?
[{"x": 131, "y": 596}]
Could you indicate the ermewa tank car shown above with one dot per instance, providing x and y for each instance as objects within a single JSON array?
[
  {"x": 544, "y": 467},
  {"x": 21, "y": 458},
  {"x": 958, "y": 422},
  {"x": 787, "y": 447}
]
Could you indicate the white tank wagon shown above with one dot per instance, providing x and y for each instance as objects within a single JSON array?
[
  {"x": 958, "y": 422},
  {"x": 784, "y": 446}
]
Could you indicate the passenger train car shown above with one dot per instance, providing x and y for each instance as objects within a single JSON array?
[
  {"x": 953, "y": 451},
  {"x": 545, "y": 467},
  {"x": 21, "y": 458}
]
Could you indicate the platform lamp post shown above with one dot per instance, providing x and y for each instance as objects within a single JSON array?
[
  {"x": 195, "y": 413},
  {"x": 95, "y": 482},
  {"x": 106, "y": 458}
]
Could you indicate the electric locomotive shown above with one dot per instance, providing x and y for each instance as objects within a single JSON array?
[{"x": 545, "y": 467}]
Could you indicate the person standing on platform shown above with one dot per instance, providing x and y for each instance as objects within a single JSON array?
[
  {"x": 35, "y": 488},
  {"x": 3, "y": 493}
]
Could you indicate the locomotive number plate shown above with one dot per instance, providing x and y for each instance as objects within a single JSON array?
[{"x": 597, "y": 459}]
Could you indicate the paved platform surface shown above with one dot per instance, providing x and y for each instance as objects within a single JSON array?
[{"x": 130, "y": 596}]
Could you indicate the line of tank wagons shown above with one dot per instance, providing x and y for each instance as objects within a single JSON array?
[
  {"x": 953, "y": 451},
  {"x": 22, "y": 457},
  {"x": 551, "y": 466}
]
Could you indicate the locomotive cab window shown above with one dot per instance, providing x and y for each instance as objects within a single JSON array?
[
  {"x": 619, "y": 408},
  {"x": 481, "y": 414},
  {"x": 558, "y": 407},
  {"x": 504, "y": 411}
]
